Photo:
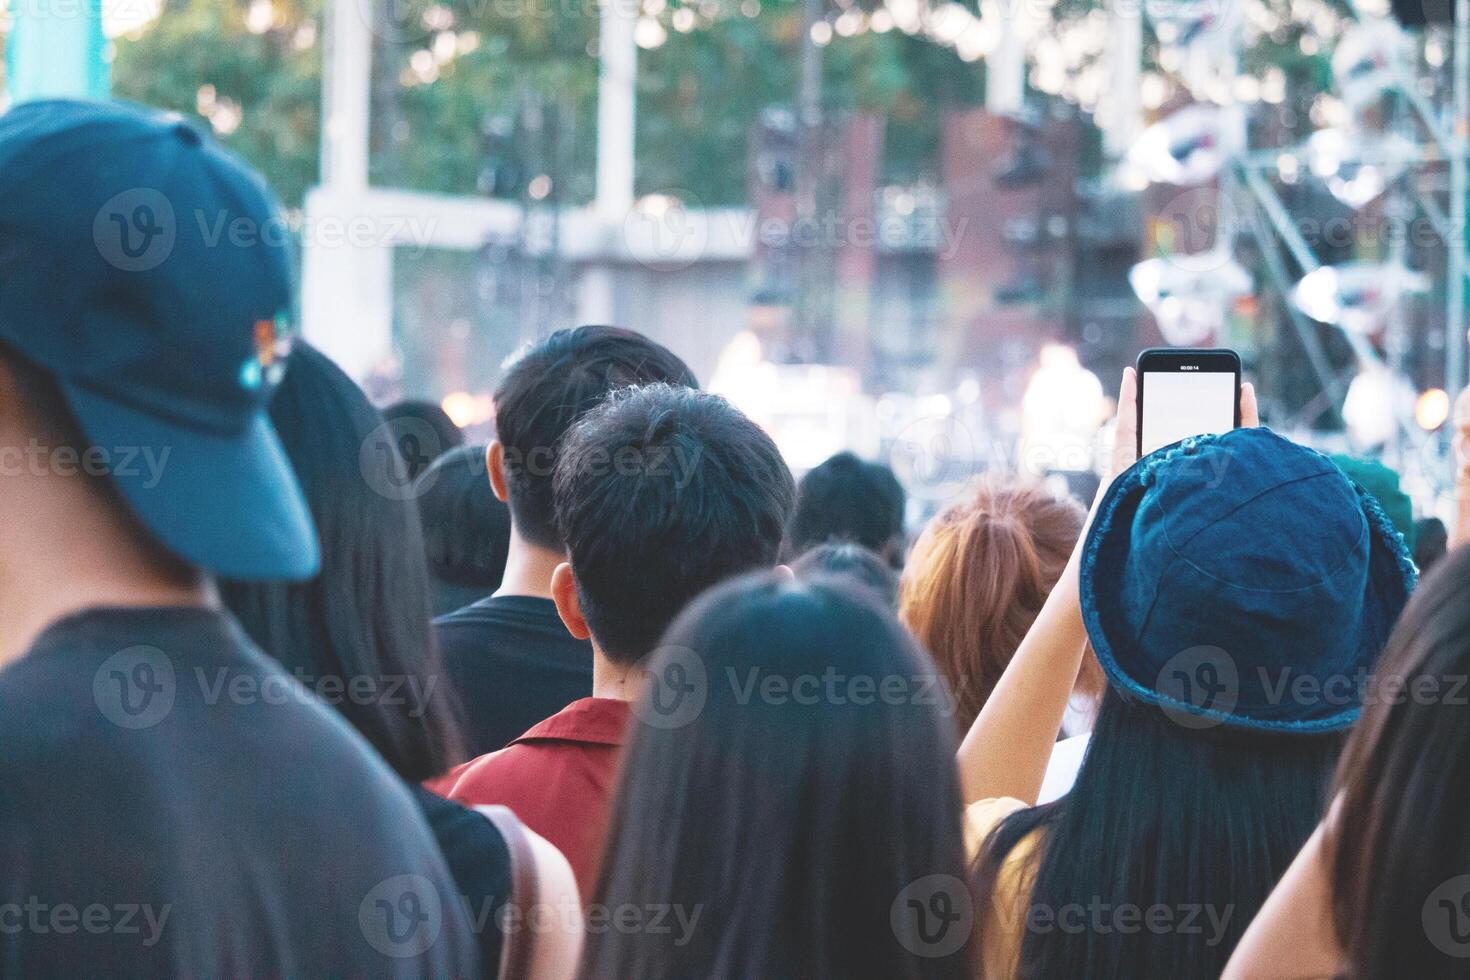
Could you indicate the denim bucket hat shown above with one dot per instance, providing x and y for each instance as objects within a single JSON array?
[{"x": 1242, "y": 580}]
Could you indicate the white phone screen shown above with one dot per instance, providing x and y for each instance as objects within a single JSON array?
[{"x": 1179, "y": 404}]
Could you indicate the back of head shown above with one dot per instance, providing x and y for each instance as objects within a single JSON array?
[
  {"x": 1401, "y": 842},
  {"x": 848, "y": 499},
  {"x": 549, "y": 387},
  {"x": 466, "y": 530},
  {"x": 1383, "y": 484},
  {"x": 793, "y": 805},
  {"x": 1164, "y": 850},
  {"x": 851, "y": 563},
  {"x": 662, "y": 492},
  {"x": 363, "y": 622},
  {"x": 977, "y": 577},
  {"x": 423, "y": 431},
  {"x": 1237, "y": 589}
]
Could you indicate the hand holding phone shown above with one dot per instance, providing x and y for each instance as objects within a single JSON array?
[{"x": 1185, "y": 392}]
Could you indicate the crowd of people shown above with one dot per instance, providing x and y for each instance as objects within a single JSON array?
[{"x": 293, "y": 687}]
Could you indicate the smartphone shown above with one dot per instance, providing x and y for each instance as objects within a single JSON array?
[{"x": 1185, "y": 392}]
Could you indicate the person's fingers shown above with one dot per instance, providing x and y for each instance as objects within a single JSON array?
[
  {"x": 1125, "y": 435},
  {"x": 1250, "y": 413}
]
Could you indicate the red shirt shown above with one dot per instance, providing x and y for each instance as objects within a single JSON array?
[{"x": 558, "y": 778}]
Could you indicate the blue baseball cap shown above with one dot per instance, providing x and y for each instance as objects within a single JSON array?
[
  {"x": 148, "y": 271},
  {"x": 1242, "y": 580}
]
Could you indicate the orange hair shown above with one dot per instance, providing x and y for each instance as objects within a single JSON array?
[{"x": 976, "y": 579}]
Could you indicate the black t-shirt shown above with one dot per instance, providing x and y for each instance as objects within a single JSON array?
[
  {"x": 513, "y": 664},
  {"x": 479, "y": 860},
  {"x": 173, "y": 804}
]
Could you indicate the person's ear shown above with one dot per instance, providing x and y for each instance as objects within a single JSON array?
[
  {"x": 568, "y": 606},
  {"x": 495, "y": 466}
]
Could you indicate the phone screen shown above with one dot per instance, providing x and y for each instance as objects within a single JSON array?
[{"x": 1185, "y": 401}]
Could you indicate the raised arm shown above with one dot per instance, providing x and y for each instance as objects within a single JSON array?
[
  {"x": 1292, "y": 937},
  {"x": 1007, "y": 748}
]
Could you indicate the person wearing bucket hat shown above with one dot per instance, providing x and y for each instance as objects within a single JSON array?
[
  {"x": 162, "y": 810},
  {"x": 1236, "y": 589}
]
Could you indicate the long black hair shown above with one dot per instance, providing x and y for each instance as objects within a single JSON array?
[
  {"x": 1164, "y": 850},
  {"x": 788, "y": 820},
  {"x": 1400, "y": 846},
  {"x": 359, "y": 632}
]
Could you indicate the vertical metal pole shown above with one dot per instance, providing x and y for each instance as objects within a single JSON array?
[
  {"x": 616, "y": 109},
  {"x": 1125, "y": 70},
  {"x": 1005, "y": 67},
  {"x": 346, "y": 87},
  {"x": 1455, "y": 302}
]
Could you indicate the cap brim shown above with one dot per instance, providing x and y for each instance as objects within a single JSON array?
[{"x": 229, "y": 504}]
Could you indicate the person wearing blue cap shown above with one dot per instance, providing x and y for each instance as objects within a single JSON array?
[
  {"x": 1237, "y": 590},
  {"x": 163, "y": 806}
]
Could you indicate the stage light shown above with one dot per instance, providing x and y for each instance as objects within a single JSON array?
[
  {"x": 1370, "y": 58},
  {"x": 1189, "y": 146},
  {"x": 1375, "y": 401},
  {"x": 1432, "y": 408},
  {"x": 1189, "y": 296},
  {"x": 1356, "y": 296},
  {"x": 1358, "y": 167}
]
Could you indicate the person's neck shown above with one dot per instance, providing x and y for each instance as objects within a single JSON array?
[
  {"x": 618, "y": 682},
  {"x": 64, "y": 560},
  {"x": 528, "y": 568}
]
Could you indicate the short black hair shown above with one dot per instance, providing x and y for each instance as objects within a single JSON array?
[
  {"x": 423, "y": 432},
  {"x": 662, "y": 492},
  {"x": 466, "y": 530},
  {"x": 854, "y": 565},
  {"x": 549, "y": 387},
  {"x": 848, "y": 499}
]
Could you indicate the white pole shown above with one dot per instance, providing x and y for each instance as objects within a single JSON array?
[
  {"x": 346, "y": 287},
  {"x": 595, "y": 299},
  {"x": 1124, "y": 105},
  {"x": 1005, "y": 67},
  {"x": 346, "y": 88},
  {"x": 616, "y": 104}
]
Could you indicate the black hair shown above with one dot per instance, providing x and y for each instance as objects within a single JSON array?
[
  {"x": 366, "y": 614},
  {"x": 466, "y": 530},
  {"x": 1398, "y": 844},
  {"x": 661, "y": 492},
  {"x": 548, "y": 388},
  {"x": 794, "y": 826},
  {"x": 1199, "y": 824},
  {"x": 849, "y": 499},
  {"x": 423, "y": 431},
  {"x": 1431, "y": 542},
  {"x": 853, "y": 563}
]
